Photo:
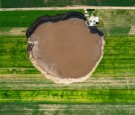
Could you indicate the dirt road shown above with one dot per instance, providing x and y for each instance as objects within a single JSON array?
[{"x": 68, "y": 8}]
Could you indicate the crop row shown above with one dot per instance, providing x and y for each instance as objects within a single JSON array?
[{"x": 69, "y": 96}]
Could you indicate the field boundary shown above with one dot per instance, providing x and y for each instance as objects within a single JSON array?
[{"x": 68, "y": 8}]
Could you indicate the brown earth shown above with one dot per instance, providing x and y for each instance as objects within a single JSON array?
[{"x": 66, "y": 49}]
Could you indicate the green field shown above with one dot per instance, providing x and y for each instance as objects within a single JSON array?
[
  {"x": 116, "y": 22},
  {"x": 69, "y": 96},
  {"x": 111, "y": 85},
  {"x": 49, "y": 3},
  {"x": 25, "y": 18}
]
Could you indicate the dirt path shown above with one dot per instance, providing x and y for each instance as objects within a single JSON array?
[
  {"x": 68, "y": 8},
  {"x": 132, "y": 30},
  {"x": 13, "y": 31}
]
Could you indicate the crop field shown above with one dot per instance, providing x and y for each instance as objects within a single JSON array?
[
  {"x": 111, "y": 85},
  {"x": 116, "y": 22},
  {"x": 63, "y": 109},
  {"x": 48, "y": 3},
  {"x": 25, "y": 18},
  {"x": 69, "y": 96}
]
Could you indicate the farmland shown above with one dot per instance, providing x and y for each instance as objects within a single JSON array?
[
  {"x": 64, "y": 109},
  {"x": 116, "y": 22},
  {"x": 69, "y": 96},
  {"x": 111, "y": 83},
  {"x": 48, "y": 3},
  {"x": 24, "y": 18}
]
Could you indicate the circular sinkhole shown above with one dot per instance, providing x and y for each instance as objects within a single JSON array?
[{"x": 63, "y": 49}]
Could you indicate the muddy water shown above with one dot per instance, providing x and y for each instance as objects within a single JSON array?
[{"x": 66, "y": 49}]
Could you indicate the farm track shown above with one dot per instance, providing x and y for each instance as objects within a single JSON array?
[
  {"x": 68, "y": 8},
  {"x": 38, "y": 81}
]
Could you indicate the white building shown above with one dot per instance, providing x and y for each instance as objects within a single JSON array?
[{"x": 93, "y": 21}]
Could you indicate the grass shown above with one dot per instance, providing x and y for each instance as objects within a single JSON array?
[
  {"x": 116, "y": 30},
  {"x": 116, "y": 22},
  {"x": 70, "y": 96},
  {"x": 49, "y": 3},
  {"x": 118, "y": 58},
  {"x": 14, "y": 57},
  {"x": 25, "y": 18}
]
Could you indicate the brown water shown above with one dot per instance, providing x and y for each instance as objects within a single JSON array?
[{"x": 66, "y": 49}]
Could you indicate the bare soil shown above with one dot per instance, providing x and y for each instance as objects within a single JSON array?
[
  {"x": 18, "y": 31},
  {"x": 66, "y": 49},
  {"x": 132, "y": 30}
]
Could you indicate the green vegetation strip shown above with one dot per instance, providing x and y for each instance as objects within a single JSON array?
[
  {"x": 49, "y": 3},
  {"x": 118, "y": 58},
  {"x": 25, "y": 18},
  {"x": 69, "y": 96}
]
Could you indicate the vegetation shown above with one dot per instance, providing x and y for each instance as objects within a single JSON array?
[
  {"x": 14, "y": 57},
  {"x": 49, "y": 3},
  {"x": 118, "y": 58},
  {"x": 65, "y": 109},
  {"x": 25, "y": 18},
  {"x": 69, "y": 96},
  {"x": 116, "y": 22}
]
